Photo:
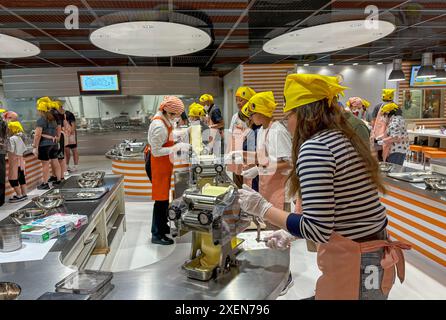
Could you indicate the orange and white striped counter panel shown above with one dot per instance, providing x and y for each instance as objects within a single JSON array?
[
  {"x": 417, "y": 218},
  {"x": 136, "y": 183}
]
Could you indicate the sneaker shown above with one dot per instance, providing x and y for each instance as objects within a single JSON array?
[
  {"x": 56, "y": 183},
  {"x": 69, "y": 169},
  {"x": 66, "y": 173},
  {"x": 289, "y": 284},
  {"x": 16, "y": 198},
  {"x": 52, "y": 179},
  {"x": 74, "y": 168},
  {"x": 162, "y": 241},
  {"x": 43, "y": 186}
]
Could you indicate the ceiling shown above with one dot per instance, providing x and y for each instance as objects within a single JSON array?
[{"x": 238, "y": 29}]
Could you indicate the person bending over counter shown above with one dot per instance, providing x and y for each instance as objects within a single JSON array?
[
  {"x": 45, "y": 145},
  {"x": 338, "y": 184},
  {"x": 159, "y": 165}
]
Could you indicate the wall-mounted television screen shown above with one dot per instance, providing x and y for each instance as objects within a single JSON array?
[
  {"x": 95, "y": 83},
  {"x": 423, "y": 82}
]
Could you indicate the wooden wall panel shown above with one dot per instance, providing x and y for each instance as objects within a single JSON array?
[{"x": 268, "y": 77}]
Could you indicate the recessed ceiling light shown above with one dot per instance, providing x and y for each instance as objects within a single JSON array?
[
  {"x": 150, "y": 38},
  {"x": 306, "y": 65},
  {"x": 355, "y": 64},
  {"x": 331, "y": 64},
  {"x": 379, "y": 63},
  {"x": 12, "y": 47},
  {"x": 328, "y": 37}
]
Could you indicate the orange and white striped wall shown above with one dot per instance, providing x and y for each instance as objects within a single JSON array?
[
  {"x": 136, "y": 183},
  {"x": 418, "y": 220},
  {"x": 33, "y": 174}
]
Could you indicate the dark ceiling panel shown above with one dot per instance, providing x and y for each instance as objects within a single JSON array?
[{"x": 238, "y": 28}]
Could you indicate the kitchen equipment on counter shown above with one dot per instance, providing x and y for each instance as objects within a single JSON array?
[
  {"x": 96, "y": 284},
  {"x": 89, "y": 183},
  {"x": 435, "y": 183},
  {"x": 9, "y": 291},
  {"x": 385, "y": 166},
  {"x": 79, "y": 194},
  {"x": 49, "y": 200},
  {"x": 10, "y": 235},
  {"x": 412, "y": 177},
  {"x": 27, "y": 215}
]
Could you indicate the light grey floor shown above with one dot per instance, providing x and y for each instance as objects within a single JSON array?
[{"x": 136, "y": 251}]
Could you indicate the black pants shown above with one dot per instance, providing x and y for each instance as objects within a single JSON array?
[{"x": 159, "y": 219}]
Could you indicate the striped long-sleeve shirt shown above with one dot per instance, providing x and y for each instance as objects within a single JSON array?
[{"x": 337, "y": 192}]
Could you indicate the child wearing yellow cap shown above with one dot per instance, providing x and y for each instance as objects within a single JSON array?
[
  {"x": 273, "y": 149},
  {"x": 338, "y": 182},
  {"x": 16, "y": 173},
  {"x": 216, "y": 124},
  {"x": 239, "y": 130}
]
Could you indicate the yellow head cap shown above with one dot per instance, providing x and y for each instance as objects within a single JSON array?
[
  {"x": 44, "y": 104},
  {"x": 388, "y": 94},
  {"x": 15, "y": 127},
  {"x": 389, "y": 107},
  {"x": 302, "y": 89},
  {"x": 196, "y": 110},
  {"x": 245, "y": 93},
  {"x": 262, "y": 103},
  {"x": 206, "y": 98},
  {"x": 2, "y": 110},
  {"x": 245, "y": 110}
]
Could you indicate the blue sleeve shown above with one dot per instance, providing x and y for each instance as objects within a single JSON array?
[
  {"x": 41, "y": 123},
  {"x": 293, "y": 224}
]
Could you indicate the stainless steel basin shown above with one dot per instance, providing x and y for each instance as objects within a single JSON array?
[
  {"x": 9, "y": 291},
  {"x": 49, "y": 201},
  {"x": 27, "y": 215}
]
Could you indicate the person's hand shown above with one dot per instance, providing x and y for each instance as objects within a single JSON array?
[
  {"x": 253, "y": 202},
  {"x": 182, "y": 146},
  {"x": 250, "y": 173},
  {"x": 279, "y": 239},
  {"x": 379, "y": 142},
  {"x": 36, "y": 152}
]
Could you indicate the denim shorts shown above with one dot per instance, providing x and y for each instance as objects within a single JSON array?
[{"x": 371, "y": 276}]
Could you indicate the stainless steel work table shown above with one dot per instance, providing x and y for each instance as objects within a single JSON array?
[{"x": 262, "y": 273}]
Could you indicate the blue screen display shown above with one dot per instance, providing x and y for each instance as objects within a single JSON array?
[{"x": 99, "y": 82}]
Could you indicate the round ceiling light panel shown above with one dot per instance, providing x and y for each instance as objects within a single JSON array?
[
  {"x": 328, "y": 37},
  {"x": 150, "y": 39},
  {"x": 12, "y": 47}
]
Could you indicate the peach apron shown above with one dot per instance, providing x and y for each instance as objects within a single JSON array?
[
  {"x": 236, "y": 144},
  {"x": 271, "y": 184},
  {"x": 380, "y": 130},
  {"x": 340, "y": 263}
]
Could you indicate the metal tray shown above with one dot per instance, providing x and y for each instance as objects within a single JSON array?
[
  {"x": 412, "y": 177},
  {"x": 85, "y": 282},
  {"x": 74, "y": 194}
]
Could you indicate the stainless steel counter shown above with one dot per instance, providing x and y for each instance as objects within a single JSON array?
[
  {"x": 417, "y": 188},
  {"x": 261, "y": 275},
  {"x": 111, "y": 156},
  {"x": 38, "y": 277}
]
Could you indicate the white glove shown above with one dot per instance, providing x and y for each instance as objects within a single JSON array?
[
  {"x": 279, "y": 239},
  {"x": 36, "y": 152},
  {"x": 251, "y": 173},
  {"x": 252, "y": 202},
  {"x": 181, "y": 147}
]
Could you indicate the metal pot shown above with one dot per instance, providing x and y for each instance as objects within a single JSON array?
[
  {"x": 9, "y": 291},
  {"x": 10, "y": 236},
  {"x": 89, "y": 183},
  {"x": 49, "y": 201},
  {"x": 93, "y": 175}
]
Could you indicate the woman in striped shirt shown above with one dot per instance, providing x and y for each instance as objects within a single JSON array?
[{"x": 337, "y": 180}]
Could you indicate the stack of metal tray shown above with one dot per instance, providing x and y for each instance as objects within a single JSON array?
[
  {"x": 81, "y": 194},
  {"x": 412, "y": 177},
  {"x": 95, "y": 284}
]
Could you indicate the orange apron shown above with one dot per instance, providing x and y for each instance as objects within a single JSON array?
[
  {"x": 340, "y": 263},
  {"x": 162, "y": 168},
  {"x": 271, "y": 184}
]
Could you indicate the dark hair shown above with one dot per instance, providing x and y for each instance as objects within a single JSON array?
[
  {"x": 396, "y": 112},
  {"x": 319, "y": 116},
  {"x": 48, "y": 116}
]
